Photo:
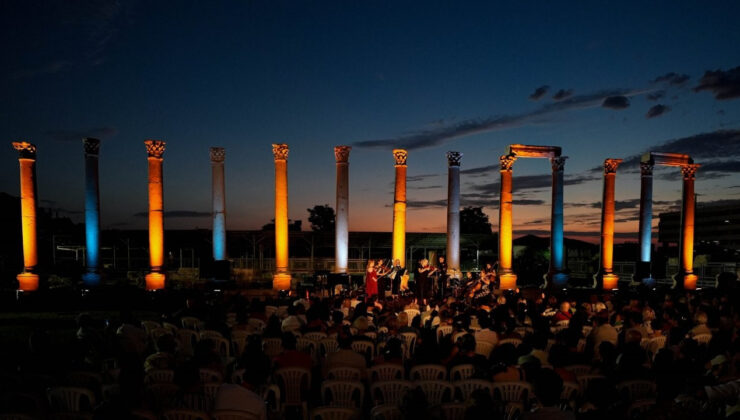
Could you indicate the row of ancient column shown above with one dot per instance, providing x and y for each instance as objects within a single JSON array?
[{"x": 556, "y": 276}]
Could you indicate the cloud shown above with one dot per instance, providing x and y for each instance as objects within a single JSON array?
[
  {"x": 422, "y": 177},
  {"x": 672, "y": 79},
  {"x": 616, "y": 102},
  {"x": 532, "y": 182},
  {"x": 178, "y": 214},
  {"x": 654, "y": 96},
  {"x": 77, "y": 135},
  {"x": 657, "y": 111},
  {"x": 722, "y": 84},
  {"x": 480, "y": 170},
  {"x": 709, "y": 170},
  {"x": 539, "y": 92},
  {"x": 441, "y": 135},
  {"x": 562, "y": 94}
]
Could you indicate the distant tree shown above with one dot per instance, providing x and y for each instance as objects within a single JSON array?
[
  {"x": 321, "y": 218},
  {"x": 293, "y": 226},
  {"x": 473, "y": 220}
]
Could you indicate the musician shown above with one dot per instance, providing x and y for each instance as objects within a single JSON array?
[
  {"x": 440, "y": 278},
  {"x": 383, "y": 270},
  {"x": 395, "y": 276},
  {"x": 489, "y": 272},
  {"x": 371, "y": 280},
  {"x": 482, "y": 290},
  {"x": 423, "y": 280}
]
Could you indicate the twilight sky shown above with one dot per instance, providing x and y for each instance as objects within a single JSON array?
[{"x": 600, "y": 79}]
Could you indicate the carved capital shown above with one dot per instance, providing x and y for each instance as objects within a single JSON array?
[
  {"x": 280, "y": 151},
  {"x": 25, "y": 150},
  {"x": 507, "y": 162},
  {"x": 558, "y": 163},
  {"x": 92, "y": 146},
  {"x": 610, "y": 165},
  {"x": 689, "y": 171},
  {"x": 154, "y": 148},
  {"x": 400, "y": 156},
  {"x": 646, "y": 168},
  {"x": 453, "y": 158},
  {"x": 218, "y": 154},
  {"x": 341, "y": 153}
]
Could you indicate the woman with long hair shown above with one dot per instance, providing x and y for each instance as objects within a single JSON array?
[{"x": 371, "y": 280}]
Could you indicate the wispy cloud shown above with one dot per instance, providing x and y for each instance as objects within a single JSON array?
[
  {"x": 672, "y": 78},
  {"x": 657, "y": 110},
  {"x": 722, "y": 84},
  {"x": 539, "y": 93},
  {"x": 178, "y": 214},
  {"x": 562, "y": 94},
  {"x": 616, "y": 102}
]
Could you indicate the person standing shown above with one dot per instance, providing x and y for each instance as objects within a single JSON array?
[
  {"x": 440, "y": 278},
  {"x": 423, "y": 281},
  {"x": 395, "y": 275},
  {"x": 371, "y": 280}
]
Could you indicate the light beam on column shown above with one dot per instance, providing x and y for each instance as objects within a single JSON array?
[
  {"x": 506, "y": 275},
  {"x": 643, "y": 270},
  {"x": 686, "y": 276},
  {"x": 92, "y": 212},
  {"x": 281, "y": 277},
  {"x": 155, "y": 280},
  {"x": 557, "y": 249},
  {"x": 399, "y": 207},
  {"x": 606, "y": 277},
  {"x": 218, "y": 196},
  {"x": 453, "y": 213},
  {"x": 28, "y": 280},
  {"x": 341, "y": 225}
]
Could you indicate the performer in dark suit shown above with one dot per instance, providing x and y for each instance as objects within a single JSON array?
[
  {"x": 423, "y": 281},
  {"x": 440, "y": 278},
  {"x": 395, "y": 276}
]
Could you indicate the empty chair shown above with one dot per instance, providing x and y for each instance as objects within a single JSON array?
[
  {"x": 453, "y": 411},
  {"x": 412, "y": 313},
  {"x": 585, "y": 380},
  {"x": 293, "y": 383},
  {"x": 386, "y": 412},
  {"x": 72, "y": 399},
  {"x": 443, "y": 330},
  {"x": 238, "y": 342},
  {"x": 333, "y": 413},
  {"x": 389, "y": 392},
  {"x": 655, "y": 344},
  {"x": 210, "y": 375},
  {"x": 636, "y": 389},
  {"x": 160, "y": 376},
  {"x": 234, "y": 415},
  {"x": 386, "y": 372},
  {"x": 365, "y": 348},
  {"x": 702, "y": 338},
  {"x": 307, "y": 346},
  {"x": 149, "y": 326},
  {"x": 409, "y": 341},
  {"x": 436, "y": 391},
  {"x": 328, "y": 345},
  {"x": 161, "y": 395},
  {"x": 223, "y": 347},
  {"x": 190, "y": 322},
  {"x": 170, "y": 327},
  {"x": 515, "y": 341},
  {"x": 187, "y": 339},
  {"x": 256, "y": 324},
  {"x": 515, "y": 391},
  {"x": 185, "y": 415},
  {"x": 484, "y": 348},
  {"x": 210, "y": 334},
  {"x": 460, "y": 372},
  {"x": 158, "y": 332},
  {"x": 272, "y": 346},
  {"x": 315, "y": 336},
  {"x": 579, "y": 370},
  {"x": 343, "y": 373},
  {"x": 466, "y": 387},
  {"x": 343, "y": 393},
  {"x": 210, "y": 389},
  {"x": 428, "y": 372}
]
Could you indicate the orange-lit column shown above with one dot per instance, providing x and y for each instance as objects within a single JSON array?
[
  {"x": 28, "y": 280},
  {"x": 507, "y": 278},
  {"x": 606, "y": 277},
  {"x": 281, "y": 277},
  {"x": 341, "y": 225},
  {"x": 399, "y": 207},
  {"x": 156, "y": 277},
  {"x": 686, "y": 247}
]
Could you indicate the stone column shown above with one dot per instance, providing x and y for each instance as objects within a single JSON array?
[
  {"x": 281, "y": 277},
  {"x": 686, "y": 276},
  {"x": 399, "y": 207},
  {"x": 453, "y": 213},
  {"x": 156, "y": 278},
  {"x": 28, "y": 280},
  {"x": 643, "y": 270},
  {"x": 557, "y": 249},
  {"x": 92, "y": 212},
  {"x": 606, "y": 277},
  {"x": 218, "y": 196},
  {"x": 341, "y": 225},
  {"x": 506, "y": 275}
]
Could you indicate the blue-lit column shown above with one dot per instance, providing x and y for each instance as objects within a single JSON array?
[
  {"x": 92, "y": 212},
  {"x": 643, "y": 271},
  {"x": 218, "y": 155},
  {"x": 341, "y": 225},
  {"x": 556, "y": 276}
]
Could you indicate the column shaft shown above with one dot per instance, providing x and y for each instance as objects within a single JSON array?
[
  {"x": 606, "y": 275},
  {"x": 156, "y": 278},
  {"x": 686, "y": 252},
  {"x": 399, "y": 208},
  {"x": 92, "y": 212},
  {"x": 341, "y": 225},
  {"x": 507, "y": 277},
  {"x": 218, "y": 196},
  {"x": 28, "y": 280},
  {"x": 643, "y": 271},
  {"x": 453, "y": 212},
  {"x": 281, "y": 278},
  {"x": 557, "y": 248}
]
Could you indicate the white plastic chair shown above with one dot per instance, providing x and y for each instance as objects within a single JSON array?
[
  {"x": 579, "y": 370},
  {"x": 160, "y": 376},
  {"x": 428, "y": 372},
  {"x": 293, "y": 383},
  {"x": 703, "y": 339},
  {"x": 333, "y": 413},
  {"x": 461, "y": 372},
  {"x": 409, "y": 341},
  {"x": 185, "y": 415},
  {"x": 328, "y": 345},
  {"x": 515, "y": 341},
  {"x": 68, "y": 398},
  {"x": 467, "y": 386},
  {"x": 343, "y": 393},
  {"x": 437, "y": 391},
  {"x": 453, "y": 411},
  {"x": 515, "y": 391},
  {"x": 386, "y": 412},
  {"x": 273, "y": 347},
  {"x": 390, "y": 392},
  {"x": 343, "y": 373},
  {"x": 442, "y": 331},
  {"x": 385, "y": 372},
  {"x": 412, "y": 313},
  {"x": 315, "y": 336},
  {"x": 365, "y": 348},
  {"x": 191, "y": 323},
  {"x": 210, "y": 375},
  {"x": 637, "y": 389},
  {"x": 484, "y": 348}
]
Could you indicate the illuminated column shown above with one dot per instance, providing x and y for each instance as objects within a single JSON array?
[
  {"x": 92, "y": 212},
  {"x": 281, "y": 277},
  {"x": 453, "y": 212},
  {"x": 341, "y": 225},
  {"x": 686, "y": 249},
  {"x": 506, "y": 276},
  {"x": 399, "y": 207},
  {"x": 156, "y": 278},
  {"x": 218, "y": 196},
  {"x": 28, "y": 280},
  {"x": 643, "y": 271},
  {"x": 557, "y": 250},
  {"x": 606, "y": 277}
]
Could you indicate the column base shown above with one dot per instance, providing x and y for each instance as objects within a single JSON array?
[
  {"x": 507, "y": 281},
  {"x": 28, "y": 282},
  {"x": 281, "y": 281},
  {"x": 686, "y": 281},
  {"x": 155, "y": 281},
  {"x": 643, "y": 274},
  {"x": 557, "y": 279},
  {"x": 91, "y": 279},
  {"x": 609, "y": 281}
]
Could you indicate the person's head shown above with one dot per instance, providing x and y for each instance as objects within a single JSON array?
[
  {"x": 289, "y": 341},
  {"x": 469, "y": 275},
  {"x": 701, "y": 318},
  {"x": 397, "y": 262},
  {"x": 564, "y": 306},
  {"x": 370, "y": 263},
  {"x": 467, "y": 343},
  {"x": 441, "y": 259},
  {"x": 424, "y": 262}
]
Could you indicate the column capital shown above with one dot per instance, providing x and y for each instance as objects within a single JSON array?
[
  {"x": 646, "y": 168},
  {"x": 218, "y": 154},
  {"x": 689, "y": 171},
  {"x": 400, "y": 156},
  {"x": 610, "y": 165},
  {"x": 341, "y": 153},
  {"x": 558, "y": 163},
  {"x": 25, "y": 150},
  {"x": 507, "y": 162},
  {"x": 453, "y": 158},
  {"x": 280, "y": 151},
  {"x": 92, "y": 146},
  {"x": 154, "y": 148}
]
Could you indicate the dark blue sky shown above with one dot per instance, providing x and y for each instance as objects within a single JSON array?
[{"x": 430, "y": 76}]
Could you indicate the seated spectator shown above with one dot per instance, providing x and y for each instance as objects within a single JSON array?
[
  {"x": 547, "y": 387},
  {"x": 700, "y": 326},
  {"x": 242, "y": 397},
  {"x": 290, "y": 357},
  {"x": 345, "y": 356}
]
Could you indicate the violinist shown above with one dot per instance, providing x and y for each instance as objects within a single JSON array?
[
  {"x": 423, "y": 280},
  {"x": 440, "y": 278}
]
